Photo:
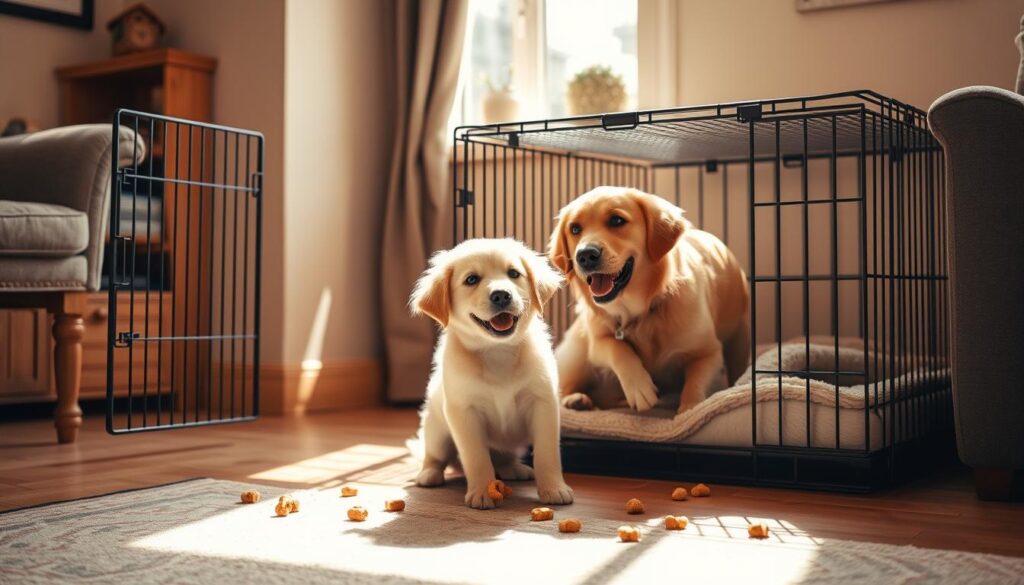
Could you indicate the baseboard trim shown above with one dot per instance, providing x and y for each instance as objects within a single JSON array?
[{"x": 292, "y": 390}]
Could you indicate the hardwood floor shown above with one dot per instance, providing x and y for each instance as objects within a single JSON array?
[{"x": 368, "y": 446}]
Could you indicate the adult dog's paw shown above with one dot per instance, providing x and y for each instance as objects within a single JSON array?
[
  {"x": 558, "y": 493},
  {"x": 430, "y": 477},
  {"x": 515, "y": 471},
  {"x": 478, "y": 498},
  {"x": 641, "y": 393},
  {"x": 578, "y": 401}
]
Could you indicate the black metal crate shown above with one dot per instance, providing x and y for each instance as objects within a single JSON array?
[
  {"x": 182, "y": 267},
  {"x": 832, "y": 203}
]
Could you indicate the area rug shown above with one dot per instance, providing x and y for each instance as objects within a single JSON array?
[{"x": 197, "y": 532}]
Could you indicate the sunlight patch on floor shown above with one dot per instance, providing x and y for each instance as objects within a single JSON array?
[
  {"x": 438, "y": 540},
  {"x": 355, "y": 462}
]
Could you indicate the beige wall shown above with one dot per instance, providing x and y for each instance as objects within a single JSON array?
[
  {"x": 911, "y": 50},
  {"x": 337, "y": 145},
  {"x": 247, "y": 38},
  {"x": 30, "y": 50}
]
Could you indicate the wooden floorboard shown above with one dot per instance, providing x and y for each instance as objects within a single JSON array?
[{"x": 325, "y": 450}]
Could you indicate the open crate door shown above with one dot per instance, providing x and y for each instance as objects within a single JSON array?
[{"x": 182, "y": 266}]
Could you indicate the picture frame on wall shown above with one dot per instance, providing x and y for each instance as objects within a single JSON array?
[{"x": 72, "y": 13}]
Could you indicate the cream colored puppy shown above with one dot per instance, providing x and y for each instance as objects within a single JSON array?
[
  {"x": 657, "y": 301},
  {"x": 494, "y": 388}
]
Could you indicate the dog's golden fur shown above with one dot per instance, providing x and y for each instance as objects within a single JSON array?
[{"x": 682, "y": 314}]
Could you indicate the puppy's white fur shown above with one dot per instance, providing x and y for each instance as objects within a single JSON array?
[{"x": 490, "y": 396}]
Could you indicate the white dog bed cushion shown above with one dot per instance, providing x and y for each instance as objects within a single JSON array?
[{"x": 724, "y": 419}]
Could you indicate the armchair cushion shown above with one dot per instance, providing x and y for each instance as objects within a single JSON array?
[
  {"x": 70, "y": 167},
  {"x": 42, "y": 229},
  {"x": 43, "y": 274}
]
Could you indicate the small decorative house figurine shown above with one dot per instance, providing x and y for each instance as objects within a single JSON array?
[{"x": 136, "y": 28}]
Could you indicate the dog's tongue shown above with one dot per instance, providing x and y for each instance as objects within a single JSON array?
[
  {"x": 601, "y": 284},
  {"x": 502, "y": 321}
]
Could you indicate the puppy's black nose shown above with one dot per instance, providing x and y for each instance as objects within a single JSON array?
[
  {"x": 501, "y": 298},
  {"x": 589, "y": 257}
]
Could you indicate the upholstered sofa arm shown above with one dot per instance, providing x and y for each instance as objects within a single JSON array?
[
  {"x": 982, "y": 132},
  {"x": 68, "y": 166}
]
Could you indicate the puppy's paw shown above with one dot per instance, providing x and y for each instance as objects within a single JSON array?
[
  {"x": 515, "y": 471},
  {"x": 478, "y": 498},
  {"x": 430, "y": 477},
  {"x": 641, "y": 393},
  {"x": 578, "y": 401},
  {"x": 556, "y": 493}
]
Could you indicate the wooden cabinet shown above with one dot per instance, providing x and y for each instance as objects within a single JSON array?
[
  {"x": 25, "y": 356},
  {"x": 162, "y": 81}
]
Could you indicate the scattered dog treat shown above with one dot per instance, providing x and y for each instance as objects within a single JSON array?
[
  {"x": 357, "y": 513},
  {"x": 286, "y": 505},
  {"x": 759, "y": 530},
  {"x": 569, "y": 525},
  {"x": 634, "y": 506},
  {"x": 498, "y": 491},
  {"x": 394, "y": 505},
  {"x": 251, "y": 497},
  {"x": 348, "y": 491},
  {"x": 700, "y": 491},
  {"x": 629, "y": 534},
  {"x": 541, "y": 514},
  {"x": 679, "y": 494},
  {"x": 676, "y": 522}
]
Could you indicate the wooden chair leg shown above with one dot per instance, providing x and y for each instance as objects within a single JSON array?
[{"x": 68, "y": 330}]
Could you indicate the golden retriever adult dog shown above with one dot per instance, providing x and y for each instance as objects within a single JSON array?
[
  {"x": 494, "y": 388},
  {"x": 657, "y": 302}
]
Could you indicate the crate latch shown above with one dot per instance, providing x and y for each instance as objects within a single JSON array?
[
  {"x": 748, "y": 113},
  {"x": 126, "y": 338},
  {"x": 466, "y": 198}
]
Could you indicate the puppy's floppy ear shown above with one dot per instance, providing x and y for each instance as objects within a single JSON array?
[
  {"x": 558, "y": 246},
  {"x": 432, "y": 294},
  {"x": 664, "y": 221},
  {"x": 544, "y": 280}
]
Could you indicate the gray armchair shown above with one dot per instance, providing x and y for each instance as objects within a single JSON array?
[
  {"x": 54, "y": 204},
  {"x": 982, "y": 132}
]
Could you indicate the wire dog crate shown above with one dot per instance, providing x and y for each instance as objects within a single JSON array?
[
  {"x": 183, "y": 274},
  {"x": 834, "y": 206}
]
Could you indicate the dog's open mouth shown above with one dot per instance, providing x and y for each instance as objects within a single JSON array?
[
  {"x": 605, "y": 287},
  {"x": 502, "y": 324}
]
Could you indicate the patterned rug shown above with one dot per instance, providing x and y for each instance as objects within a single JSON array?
[{"x": 197, "y": 532}]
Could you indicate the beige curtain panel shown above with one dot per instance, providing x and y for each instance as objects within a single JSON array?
[{"x": 417, "y": 216}]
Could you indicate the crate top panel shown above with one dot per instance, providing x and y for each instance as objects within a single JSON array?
[{"x": 841, "y": 123}]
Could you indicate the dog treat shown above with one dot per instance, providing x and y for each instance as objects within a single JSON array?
[
  {"x": 540, "y": 514},
  {"x": 676, "y": 522},
  {"x": 759, "y": 530},
  {"x": 251, "y": 497},
  {"x": 394, "y": 505},
  {"x": 498, "y": 491},
  {"x": 348, "y": 491},
  {"x": 700, "y": 491},
  {"x": 679, "y": 494},
  {"x": 629, "y": 534},
  {"x": 634, "y": 506},
  {"x": 286, "y": 505},
  {"x": 357, "y": 513},
  {"x": 569, "y": 525}
]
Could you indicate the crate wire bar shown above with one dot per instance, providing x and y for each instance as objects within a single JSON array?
[
  {"x": 183, "y": 275},
  {"x": 832, "y": 203}
]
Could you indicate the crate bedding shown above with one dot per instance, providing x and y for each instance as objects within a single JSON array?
[{"x": 724, "y": 418}]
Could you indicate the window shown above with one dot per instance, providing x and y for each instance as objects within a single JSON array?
[{"x": 521, "y": 55}]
